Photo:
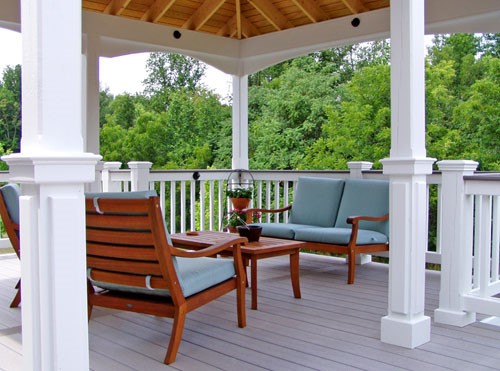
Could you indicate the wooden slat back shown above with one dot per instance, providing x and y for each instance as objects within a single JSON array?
[{"x": 121, "y": 248}]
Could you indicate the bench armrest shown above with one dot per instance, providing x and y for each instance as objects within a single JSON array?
[
  {"x": 357, "y": 219},
  {"x": 250, "y": 212},
  {"x": 354, "y": 220}
]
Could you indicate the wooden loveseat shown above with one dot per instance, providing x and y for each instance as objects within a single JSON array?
[{"x": 337, "y": 216}]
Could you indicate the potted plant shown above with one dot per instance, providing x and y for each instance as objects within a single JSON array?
[
  {"x": 240, "y": 197},
  {"x": 237, "y": 217}
]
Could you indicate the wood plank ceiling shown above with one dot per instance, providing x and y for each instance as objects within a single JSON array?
[{"x": 237, "y": 19}]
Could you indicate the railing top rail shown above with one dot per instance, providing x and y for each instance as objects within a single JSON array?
[{"x": 486, "y": 176}]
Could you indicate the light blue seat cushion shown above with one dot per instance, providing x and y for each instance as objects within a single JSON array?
[
  {"x": 280, "y": 230},
  {"x": 10, "y": 193},
  {"x": 195, "y": 275},
  {"x": 365, "y": 197},
  {"x": 198, "y": 274},
  {"x": 316, "y": 201},
  {"x": 339, "y": 236}
]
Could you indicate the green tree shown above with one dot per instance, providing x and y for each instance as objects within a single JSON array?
[
  {"x": 358, "y": 125},
  {"x": 168, "y": 72},
  {"x": 10, "y": 108},
  {"x": 286, "y": 117}
]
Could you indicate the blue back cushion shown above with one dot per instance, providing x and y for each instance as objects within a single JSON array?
[
  {"x": 368, "y": 198},
  {"x": 10, "y": 193},
  {"x": 316, "y": 201}
]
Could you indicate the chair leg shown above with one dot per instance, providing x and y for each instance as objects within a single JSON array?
[
  {"x": 240, "y": 301},
  {"x": 176, "y": 336},
  {"x": 17, "y": 299},
  {"x": 352, "y": 266},
  {"x": 90, "y": 293}
]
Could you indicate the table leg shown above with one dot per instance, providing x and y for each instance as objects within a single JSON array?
[
  {"x": 294, "y": 274},
  {"x": 253, "y": 270}
]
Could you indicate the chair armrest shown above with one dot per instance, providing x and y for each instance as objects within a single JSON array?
[
  {"x": 357, "y": 219},
  {"x": 210, "y": 250}
]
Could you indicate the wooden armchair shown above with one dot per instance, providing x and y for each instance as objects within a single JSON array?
[
  {"x": 9, "y": 211},
  {"x": 132, "y": 266}
]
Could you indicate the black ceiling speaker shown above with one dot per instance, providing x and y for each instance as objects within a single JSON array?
[
  {"x": 355, "y": 22},
  {"x": 177, "y": 34}
]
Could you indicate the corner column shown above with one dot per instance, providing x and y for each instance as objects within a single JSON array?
[
  {"x": 52, "y": 169},
  {"x": 406, "y": 325},
  {"x": 456, "y": 243},
  {"x": 240, "y": 122}
]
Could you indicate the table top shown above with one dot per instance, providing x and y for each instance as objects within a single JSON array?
[{"x": 206, "y": 238}]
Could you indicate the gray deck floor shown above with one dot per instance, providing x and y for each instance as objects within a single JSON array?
[{"x": 334, "y": 326}]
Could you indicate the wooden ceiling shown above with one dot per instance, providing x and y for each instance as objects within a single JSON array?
[{"x": 237, "y": 19}]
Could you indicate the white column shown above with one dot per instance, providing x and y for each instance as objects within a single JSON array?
[
  {"x": 240, "y": 122},
  {"x": 52, "y": 168},
  {"x": 139, "y": 175},
  {"x": 91, "y": 95},
  {"x": 456, "y": 243},
  {"x": 406, "y": 325}
]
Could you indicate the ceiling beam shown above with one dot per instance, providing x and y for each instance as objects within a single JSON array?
[
  {"x": 238, "y": 19},
  {"x": 157, "y": 10},
  {"x": 356, "y": 6},
  {"x": 116, "y": 7},
  {"x": 272, "y": 14},
  {"x": 247, "y": 28},
  {"x": 203, "y": 14},
  {"x": 311, "y": 10}
]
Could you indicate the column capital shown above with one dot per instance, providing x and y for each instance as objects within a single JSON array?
[
  {"x": 66, "y": 169},
  {"x": 139, "y": 164},
  {"x": 407, "y": 166},
  {"x": 458, "y": 165},
  {"x": 361, "y": 165}
]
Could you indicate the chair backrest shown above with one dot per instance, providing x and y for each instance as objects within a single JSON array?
[
  {"x": 9, "y": 210},
  {"x": 316, "y": 201},
  {"x": 127, "y": 248},
  {"x": 365, "y": 197}
]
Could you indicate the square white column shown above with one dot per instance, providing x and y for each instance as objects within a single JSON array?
[{"x": 406, "y": 325}]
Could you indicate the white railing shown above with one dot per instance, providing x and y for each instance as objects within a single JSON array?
[
  {"x": 485, "y": 281},
  {"x": 467, "y": 218},
  {"x": 470, "y": 240}
]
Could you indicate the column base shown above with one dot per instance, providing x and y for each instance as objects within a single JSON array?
[
  {"x": 454, "y": 318},
  {"x": 405, "y": 333}
]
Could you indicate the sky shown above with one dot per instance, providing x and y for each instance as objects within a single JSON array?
[{"x": 120, "y": 74}]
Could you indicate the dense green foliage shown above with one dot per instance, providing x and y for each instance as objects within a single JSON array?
[{"x": 318, "y": 111}]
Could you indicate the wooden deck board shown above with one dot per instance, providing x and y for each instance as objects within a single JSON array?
[{"x": 334, "y": 326}]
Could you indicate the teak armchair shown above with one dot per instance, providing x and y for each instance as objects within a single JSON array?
[
  {"x": 9, "y": 211},
  {"x": 132, "y": 266}
]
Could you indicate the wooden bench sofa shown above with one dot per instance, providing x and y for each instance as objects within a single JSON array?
[{"x": 337, "y": 216}]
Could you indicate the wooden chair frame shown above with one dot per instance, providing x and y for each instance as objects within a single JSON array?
[
  {"x": 12, "y": 230},
  {"x": 116, "y": 255}
]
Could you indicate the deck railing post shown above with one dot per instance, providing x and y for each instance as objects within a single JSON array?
[
  {"x": 139, "y": 175},
  {"x": 456, "y": 243},
  {"x": 107, "y": 184},
  {"x": 356, "y": 168},
  {"x": 96, "y": 185}
]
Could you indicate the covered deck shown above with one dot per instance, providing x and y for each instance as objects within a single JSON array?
[{"x": 333, "y": 327}]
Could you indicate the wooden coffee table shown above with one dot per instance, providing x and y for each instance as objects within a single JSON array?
[{"x": 251, "y": 252}]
